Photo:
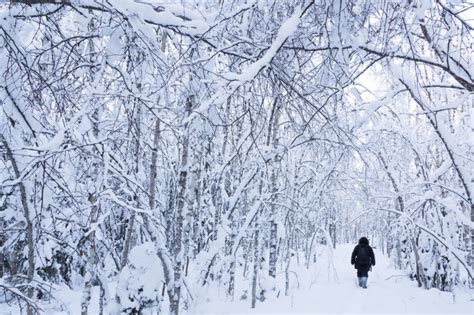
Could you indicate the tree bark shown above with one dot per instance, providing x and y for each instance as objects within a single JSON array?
[
  {"x": 180, "y": 205},
  {"x": 128, "y": 241},
  {"x": 256, "y": 263},
  {"x": 2, "y": 238},
  {"x": 472, "y": 245},
  {"x": 29, "y": 224},
  {"x": 274, "y": 120},
  {"x": 91, "y": 258},
  {"x": 154, "y": 159},
  {"x": 287, "y": 268}
]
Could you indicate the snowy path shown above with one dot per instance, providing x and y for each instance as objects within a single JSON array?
[{"x": 388, "y": 292}]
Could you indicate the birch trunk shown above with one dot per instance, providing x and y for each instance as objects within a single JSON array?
[
  {"x": 235, "y": 177},
  {"x": 91, "y": 258},
  {"x": 287, "y": 268},
  {"x": 128, "y": 240},
  {"x": 154, "y": 159},
  {"x": 180, "y": 206},
  {"x": 220, "y": 207},
  {"x": 272, "y": 262},
  {"x": 29, "y": 224},
  {"x": 230, "y": 245},
  {"x": 472, "y": 244},
  {"x": 2, "y": 238},
  {"x": 2, "y": 256},
  {"x": 162, "y": 254},
  {"x": 131, "y": 222},
  {"x": 256, "y": 263}
]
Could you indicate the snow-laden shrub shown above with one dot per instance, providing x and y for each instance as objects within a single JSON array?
[
  {"x": 140, "y": 282},
  {"x": 440, "y": 266}
]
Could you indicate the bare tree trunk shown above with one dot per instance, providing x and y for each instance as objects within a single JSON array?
[
  {"x": 256, "y": 263},
  {"x": 154, "y": 159},
  {"x": 91, "y": 258},
  {"x": 220, "y": 206},
  {"x": 91, "y": 262},
  {"x": 389, "y": 244},
  {"x": 230, "y": 253},
  {"x": 287, "y": 268},
  {"x": 274, "y": 120},
  {"x": 2, "y": 240},
  {"x": 231, "y": 290},
  {"x": 29, "y": 224},
  {"x": 234, "y": 177},
  {"x": 180, "y": 205},
  {"x": 128, "y": 241},
  {"x": 332, "y": 232},
  {"x": 131, "y": 222},
  {"x": 472, "y": 244},
  {"x": 190, "y": 197},
  {"x": 151, "y": 203},
  {"x": 399, "y": 255},
  {"x": 420, "y": 278},
  {"x": 101, "y": 298}
]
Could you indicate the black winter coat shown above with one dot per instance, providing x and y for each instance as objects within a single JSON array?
[{"x": 364, "y": 268}]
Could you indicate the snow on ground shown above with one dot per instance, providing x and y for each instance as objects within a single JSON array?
[
  {"x": 314, "y": 291},
  {"x": 389, "y": 291}
]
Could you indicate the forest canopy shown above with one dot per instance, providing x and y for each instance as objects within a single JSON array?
[{"x": 158, "y": 147}]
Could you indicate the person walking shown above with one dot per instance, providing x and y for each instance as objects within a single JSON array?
[{"x": 363, "y": 259}]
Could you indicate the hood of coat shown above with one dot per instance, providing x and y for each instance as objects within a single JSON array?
[{"x": 363, "y": 241}]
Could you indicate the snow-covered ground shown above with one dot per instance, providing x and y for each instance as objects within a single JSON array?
[
  {"x": 389, "y": 291},
  {"x": 322, "y": 289}
]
